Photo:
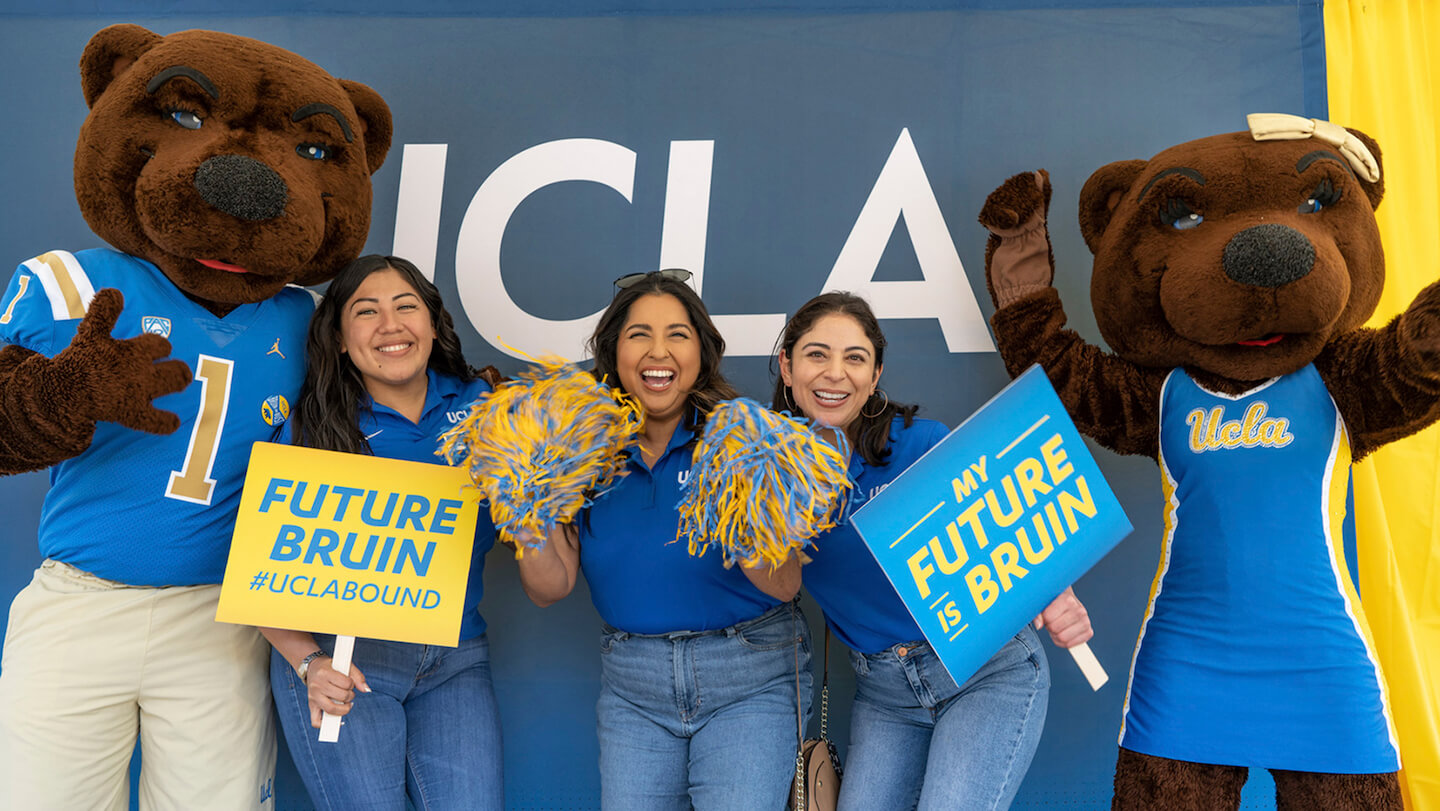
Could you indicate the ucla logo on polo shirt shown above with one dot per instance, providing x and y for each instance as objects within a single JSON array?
[
  {"x": 155, "y": 325},
  {"x": 275, "y": 409}
]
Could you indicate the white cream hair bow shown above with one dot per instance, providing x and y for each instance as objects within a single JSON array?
[{"x": 1285, "y": 127}]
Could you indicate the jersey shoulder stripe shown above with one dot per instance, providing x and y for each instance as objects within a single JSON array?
[
  {"x": 65, "y": 283},
  {"x": 314, "y": 295}
]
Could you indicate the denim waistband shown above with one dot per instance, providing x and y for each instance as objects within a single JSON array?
[{"x": 729, "y": 630}]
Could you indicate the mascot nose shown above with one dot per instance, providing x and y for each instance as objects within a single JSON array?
[
  {"x": 1268, "y": 256},
  {"x": 241, "y": 187}
]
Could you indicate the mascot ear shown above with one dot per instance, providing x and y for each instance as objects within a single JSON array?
[
  {"x": 1101, "y": 195},
  {"x": 110, "y": 53},
  {"x": 375, "y": 116},
  {"x": 1375, "y": 191}
]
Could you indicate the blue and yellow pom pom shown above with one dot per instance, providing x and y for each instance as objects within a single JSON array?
[
  {"x": 537, "y": 445},
  {"x": 761, "y": 485}
]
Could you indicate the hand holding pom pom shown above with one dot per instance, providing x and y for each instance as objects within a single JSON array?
[
  {"x": 761, "y": 486},
  {"x": 539, "y": 444}
]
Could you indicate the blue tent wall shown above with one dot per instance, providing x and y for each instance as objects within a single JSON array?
[{"x": 803, "y": 102}]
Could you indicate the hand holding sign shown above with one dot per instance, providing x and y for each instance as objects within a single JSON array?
[
  {"x": 331, "y": 692},
  {"x": 986, "y": 527},
  {"x": 1069, "y": 625},
  {"x": 330, "y": 724}
]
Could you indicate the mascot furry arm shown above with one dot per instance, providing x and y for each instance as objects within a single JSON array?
[{"x": 49, "y": 406}]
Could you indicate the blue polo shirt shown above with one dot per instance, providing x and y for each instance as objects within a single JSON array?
[
  {"x": 641, "y": 579},
  {"x": 860, "y": 605},
  {"x": 392, "y": 436}
]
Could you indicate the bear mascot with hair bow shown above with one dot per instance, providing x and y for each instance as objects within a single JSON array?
[
  {"x": 1232, "y": 277},
  {"x": 222, "y": 171}
]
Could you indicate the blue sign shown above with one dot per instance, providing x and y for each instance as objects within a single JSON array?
[{"x": 982, "y": 532}]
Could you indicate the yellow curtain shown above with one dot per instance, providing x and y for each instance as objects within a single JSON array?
[{"x": 1383, "y": 71}]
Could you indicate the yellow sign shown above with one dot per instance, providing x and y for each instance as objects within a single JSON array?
[{"x": 340, "y": 543}]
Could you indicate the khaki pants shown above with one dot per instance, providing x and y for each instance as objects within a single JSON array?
[{"x": 90, "y": 664}]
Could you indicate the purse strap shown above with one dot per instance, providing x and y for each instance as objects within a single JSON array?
[
  {"x": 824, "y": 690},
  {"x": 799, "y": 784}
]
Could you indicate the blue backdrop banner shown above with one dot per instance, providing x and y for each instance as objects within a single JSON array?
[{"x": 776, "y": 152}]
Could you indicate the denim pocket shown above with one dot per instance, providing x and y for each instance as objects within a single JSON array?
[
  {"x": 860, "y": 663},
  {"x": 781, "y": 631}
]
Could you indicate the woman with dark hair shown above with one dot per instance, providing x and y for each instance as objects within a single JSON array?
[
  {"x": 698, "y": 662},
  {"x": 917, "y": 739},
  {"x": 385, "y": 377}
]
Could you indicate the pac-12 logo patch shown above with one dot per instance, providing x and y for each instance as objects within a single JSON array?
[
  {"x": 275, "y": 409},
  {"x": 155, "y": 325}
]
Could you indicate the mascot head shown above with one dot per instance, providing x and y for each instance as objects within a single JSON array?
[
  {"x": 1241, "y": 255},
  {"x": 234, "y": 166}
]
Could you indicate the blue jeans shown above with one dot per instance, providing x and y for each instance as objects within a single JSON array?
[
  {"x": 429, "y": 731},
  {"x": 704, "y": 719},
  {"x": 918, "y": 740}
]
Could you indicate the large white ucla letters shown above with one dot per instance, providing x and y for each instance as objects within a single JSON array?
[
  {"x": 477, "y": 251},
  {"x": 902, "y": 189}
]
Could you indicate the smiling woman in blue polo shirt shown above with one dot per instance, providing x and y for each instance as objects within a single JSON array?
[
  {"x": 698, "y": 662},
  {"x": 385, "y": 376},
  {"x": 917, "y": 739}
]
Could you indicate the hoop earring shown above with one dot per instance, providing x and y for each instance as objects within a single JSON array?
[
  {"x": 882, "y": 408},
  {"x": 785, "y": 395}
]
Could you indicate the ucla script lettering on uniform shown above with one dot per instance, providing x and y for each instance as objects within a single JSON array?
[{"x": 1210, "y": 431}]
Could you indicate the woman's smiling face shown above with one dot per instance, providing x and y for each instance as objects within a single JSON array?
[
  {"x": 832, "y": 372},
  {"x": 658, "y": 355},
  {"x": 386, "y": 330}
]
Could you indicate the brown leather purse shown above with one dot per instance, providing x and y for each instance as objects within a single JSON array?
[{"x": 817, "y": 766}]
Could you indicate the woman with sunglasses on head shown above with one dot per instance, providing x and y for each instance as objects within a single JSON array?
[
  {"x": 384, "y": 376},
  {"x": 917, "y": 739},
  {"x": 698, "y": 661}
]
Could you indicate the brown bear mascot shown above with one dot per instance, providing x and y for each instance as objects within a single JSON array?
[
  {"x": 1232, "y": 277},
  {"x": 223, "y": 171}
]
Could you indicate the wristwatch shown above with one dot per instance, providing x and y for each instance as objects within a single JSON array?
[{"x": 303, "y": 669}]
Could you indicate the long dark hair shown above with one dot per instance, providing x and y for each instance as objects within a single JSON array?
[
  {"x": 326, "y": 416},
  {"x": 710, "y": 386},
  {"x": 870, "y": 435}
]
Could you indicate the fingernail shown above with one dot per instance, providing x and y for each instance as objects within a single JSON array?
[{"x": 365, "y": 688}]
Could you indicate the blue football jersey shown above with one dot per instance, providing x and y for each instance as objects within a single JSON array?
[
  {"x": 1255, "y": 650},
  {"x": 159, "y": 510}
]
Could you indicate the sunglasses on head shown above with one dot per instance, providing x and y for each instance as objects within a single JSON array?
[{"x": 673, "y": 274}]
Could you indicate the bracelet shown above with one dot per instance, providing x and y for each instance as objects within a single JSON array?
[{"x": 303, "y": 669}]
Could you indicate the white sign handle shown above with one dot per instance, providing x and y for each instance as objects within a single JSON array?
[
  {"x": 344, "y": 649},
  {"x": 1089, "y": 665}
]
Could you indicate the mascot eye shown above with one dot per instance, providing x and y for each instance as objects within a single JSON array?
[
  {"x": 1324, "y": 196},
  {"x": 315, "y": 152},
  {"x": 1179, "y": 216},
  {"x": 186, "y": 119}
]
